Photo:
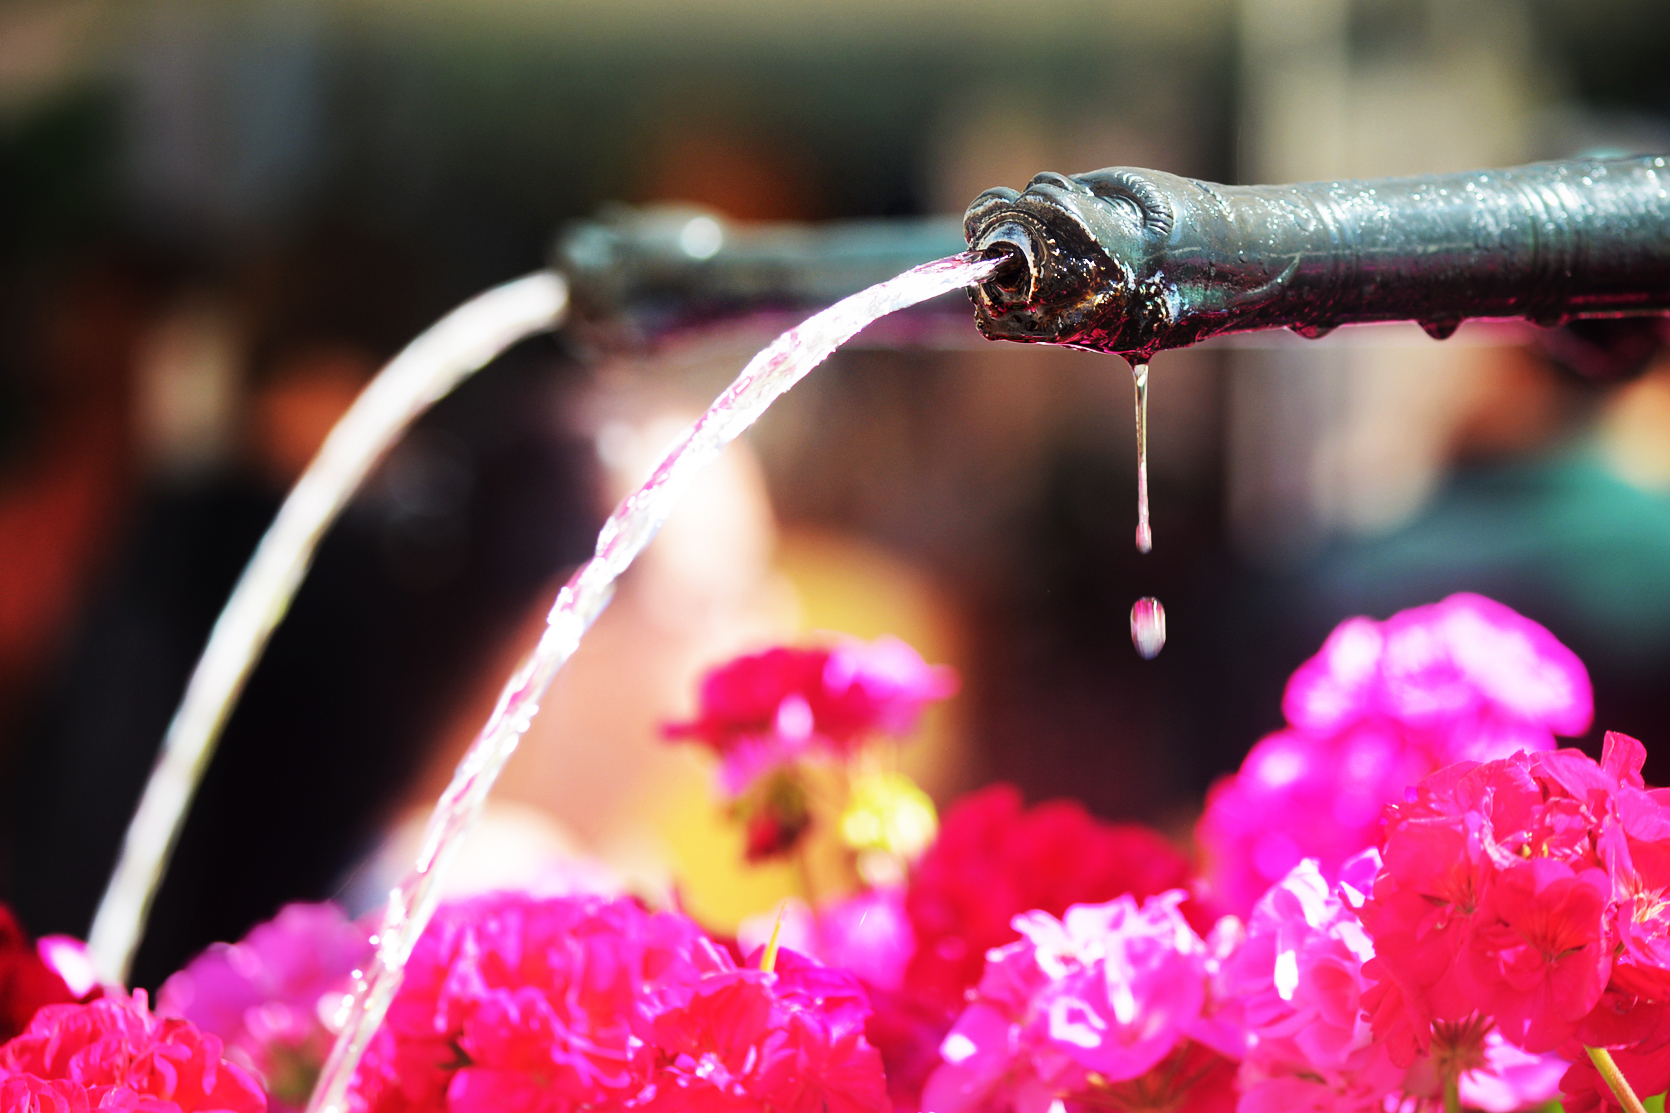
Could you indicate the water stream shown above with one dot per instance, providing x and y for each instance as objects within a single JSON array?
[
  {"x": 1148, "y": 618},
  {"x": 454, "y": 348},
  {"x": 632, "y": 525},
  {"x": 1145, "y": 535}
]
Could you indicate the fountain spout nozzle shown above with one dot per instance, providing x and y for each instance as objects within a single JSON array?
[
  {"x": 1020, "y": 249},
  {"x": 1136, "y": 261}
]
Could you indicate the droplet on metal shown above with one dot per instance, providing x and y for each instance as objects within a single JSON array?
[{"x": 1148, "y": 627}]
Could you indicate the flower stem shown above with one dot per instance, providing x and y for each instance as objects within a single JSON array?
[
  {"x": 1452, "y": 1092},
  {"x": 1604, "y": 1063}
]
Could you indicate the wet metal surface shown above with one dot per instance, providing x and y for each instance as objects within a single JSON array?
[{"x": 1137, "y": 261}]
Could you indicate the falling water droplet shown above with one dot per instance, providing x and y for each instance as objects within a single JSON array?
[
  {"x": 1148, "y": 618},
  {"x": 1145, "y": 535},
  {"x": 1148, "y": 627}
]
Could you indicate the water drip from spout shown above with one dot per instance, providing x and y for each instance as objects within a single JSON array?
[
  {"x": 1148, "y": 627},
  {"x": 1145, "y": 534},
  {"x": 1148, "y": 618}
]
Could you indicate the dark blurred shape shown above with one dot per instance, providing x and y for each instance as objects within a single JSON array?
[
  {"x": 67, "y": 472},
  {"x": 427, "y": 571},
  {"x": 1537, "y": 513},
  {"x": 26, "y": 982},
  {"x": 1607, "y": 349},
  {"x": 299, "y": 402},
  {"x": 720, "y": 163}
]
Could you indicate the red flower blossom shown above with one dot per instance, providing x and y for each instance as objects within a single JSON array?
[
  {"x": 745, "y": 697},
  {"x": 1638, "y": 853},
  {"x": 1541, "y": 953},
  {"x": 113, "y": 1054},
  {"x": 907, "y": 1029},
  {"x": 552, "y": 1005},
  {"x": 995, "y": 859},
  {"x": 26, "y": 981},
  {"x": 791, "y": 1041},
  {"x": 1583, "y": 1090},
  {"x": 764, "y": 710},
  {"x": 1493, "y": 896}
]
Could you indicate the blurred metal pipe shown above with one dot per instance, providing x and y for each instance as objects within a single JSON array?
[
  {"x": 651, "y": 269},
  {"x": 1136, "y": 261}
]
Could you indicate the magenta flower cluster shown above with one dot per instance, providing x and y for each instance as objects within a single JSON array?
[
  {"x": 1529, "y": 890},
  {"x": 1111, "y": 1004},
  {"x": 114, "y": 1054},
  {"x": 769, "y": 715},
  {"x": 552, "y": 1005},
  {"x": 1300, "y": 984},
  {"x": 765, "y": 710},
  {"x": 269, "y": 995},
  {"x": 1411, "y": 901},
  {"x": 1381, "y": 706}
]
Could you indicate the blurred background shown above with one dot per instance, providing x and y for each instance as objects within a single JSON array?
[{"x": 219, "y": 219}]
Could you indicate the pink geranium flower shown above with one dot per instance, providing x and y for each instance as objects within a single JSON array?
[
  {"x": 1382, "y": 705},
  {"x": 1299, "y": 796},
  {"x": 1497, "y": 896},
  {"x": 764, "y": 710},
  {"x": 790, "y": 1040},
  {"x": 512, "y": 1002},
  {"x": 1637, "y": 851},
  {"x": 1629, "y": 826},
  {"x": 1475, "y": 677},
  {"x": 1109, "y": 1001},
  {"x": 266, "y": 996},
  {"x": 1300, "y": 980},
  {"x": 995, "y": 859},
  {"x": 113, "y": 1054},
  {"x": 870, "y": 935}
]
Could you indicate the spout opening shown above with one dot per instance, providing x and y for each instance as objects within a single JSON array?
[
  {"x": 1012, "y": 272},
  {"x": 1015, "y": 282}
]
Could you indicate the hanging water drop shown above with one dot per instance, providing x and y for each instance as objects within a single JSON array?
[
  {"x": 1148, "y": 627},
  {"x": 1148, "y": 618},
  {"x": 1145, "y": 535}
]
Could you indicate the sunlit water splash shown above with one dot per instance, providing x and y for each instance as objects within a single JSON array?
[
  {"x": 634, "y": 522},
  {"x": 1148, "y": 627}
]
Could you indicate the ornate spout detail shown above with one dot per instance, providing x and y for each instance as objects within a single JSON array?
[{"x": 1136, "y": 261}]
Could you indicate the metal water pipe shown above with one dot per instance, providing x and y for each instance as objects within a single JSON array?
[{"x": 1137, "y": 261}]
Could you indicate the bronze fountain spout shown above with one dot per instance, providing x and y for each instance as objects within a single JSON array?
[{"x": 1136, "y": 261}]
